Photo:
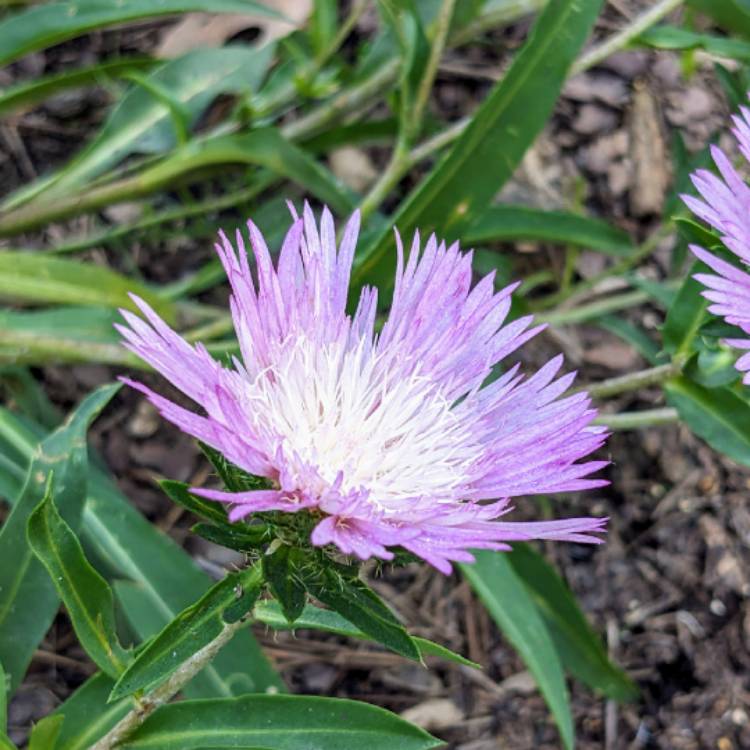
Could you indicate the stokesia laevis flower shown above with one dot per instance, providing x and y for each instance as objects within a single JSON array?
[
  {"x": 726, "y": 207},
  {"x": 389, "y": 437}
]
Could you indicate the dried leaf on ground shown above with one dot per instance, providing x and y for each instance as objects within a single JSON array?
[{"x": 212, "y": 30}]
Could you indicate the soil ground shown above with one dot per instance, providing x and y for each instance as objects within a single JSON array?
[{"x": 669, "y": 591}]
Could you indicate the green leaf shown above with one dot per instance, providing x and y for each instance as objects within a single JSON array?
[
  {"x": 694, "y": 232},
  {"x": 45, "y": 733},
  {"x": 281, "y": 570},
  {"x": 87, "y": 715},
  {"x": 263, "y": 147},
  {"x": 195, "y": 627},
  {"x": 233, "y": 478},
  {"x": 73, "y": 334},
  {"x": 718, "y": 415},
  {"x": 713, "y": 366},
  {"x": 269, "y": 613},
  {"x": 142, "y": 123},
  {"x": 160, "y": 578},
  {"x": 86, "y": 595},
  {"x": 51, "y": 23},
  {"x": 511, "y": 606},
  {"x": 485, "y": 156},
  {"x": 3, "y": 702},
  {"x": 179, "y": 493},
  {"x": 323, "y": 24},
  {"x": 359, "y": 604},
  {"x": 28, "y": 600},
  {"x": 277, "y": 722},
  {"x": 63, "y": 334},
  {"x": 406, "y": 25},
  {"x": 685, "y": 315},
  {"x": 29, "y": 93},
  {"x": 244, "y": 539},
  {"x": 510, "y": 223},
  {"x": 5, "y": 743},
  {"x": 733, "y": 15},
  {"x": 22, "y": 389},
  {"x": 35, "y": 277},
  {"x": 678, "y": 38},
  {"x": 580, "y": 649}
]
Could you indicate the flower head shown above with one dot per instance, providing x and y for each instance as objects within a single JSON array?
[
  {"x": 726, "y": 207},
  {"x": 392, "y": 438}
]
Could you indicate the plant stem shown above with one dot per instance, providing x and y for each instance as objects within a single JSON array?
[
  {"x": 339, "y": 105},
  {"x": 623, "y": 37},
  {"x": 437, "y": 47},
  {"x": 508, "y": 12},
  {"x": 633, "y": 380},
  {"x": 130, "y": 188},
  {"x": 593, "y": 310},
  {"x": 168, "y": 690},
  {"x": 635, "y": 420},
  {"x": 22, "y": 347},
  {"x": 641, "y": 253}
]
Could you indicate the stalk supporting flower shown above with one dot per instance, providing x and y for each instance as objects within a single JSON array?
[
  {"x": 726, "y": 207},
  {"x": 391, "y": 439}
]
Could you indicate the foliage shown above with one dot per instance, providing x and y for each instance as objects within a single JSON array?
[{"x": 149, "y": 619}]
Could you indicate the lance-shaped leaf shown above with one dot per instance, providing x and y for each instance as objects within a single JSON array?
[
  {"x": 720, "y": 416},
  {"x": 281, "y": 569},
  {"x": 223, "y": 604},
  {"x": 40, "y": 278},
  {"x": 685, "y": 315},
  {"x": 28, "y": 93},
  {"x": 5, "y": 743},
  {"x": 3, "y": 701},
  {"x": 509, "y": 603},
  {"x": 158, "y": 579},
  {"x": 87, "y": 715},
  {"x": 141, "y": 122},
  {"x": 277, "y": 722},
  {"x": 51, "y": 23},
  {"x": 269, "y": 613},
  {"x": 485, "y": 156},
  {"x": 733, "y": 15},
  {"x": 508, "y": 223},
  {"x": 45, "y": 733},
  {"x": 85, "y": 594},
  {"x": 240, "y": 536},
  {"x": 358, "y": 603},
  {"x": 28, "y": 599},
  {"x": 580, "y": 649}
]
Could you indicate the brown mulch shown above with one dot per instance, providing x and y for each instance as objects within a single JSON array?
[{"x": 669, "y": 591}]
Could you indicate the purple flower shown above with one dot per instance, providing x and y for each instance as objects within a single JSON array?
[
  {"x": 390, "y": 437},
  {"x": 726, "y": 207}
]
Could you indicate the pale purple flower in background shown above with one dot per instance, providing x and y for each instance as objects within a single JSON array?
[
  {"x": 390, "y": 437},
  {"x": 726, "y": 207}
]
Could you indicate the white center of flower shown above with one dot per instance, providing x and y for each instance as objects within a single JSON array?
[{"x": 352, "y": 412}]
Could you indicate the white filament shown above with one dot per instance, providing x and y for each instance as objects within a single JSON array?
[{"x": 348, "y": 410}]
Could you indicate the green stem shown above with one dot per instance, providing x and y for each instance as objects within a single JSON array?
[
  {"x": 288, "y": 93},
  {"x": 593, "y": 310},
  {"x": 623, "y": 37},
  {"x": 25, "y": 347},
  {"x": 633, "y": 380},
  {"x": 437, "y": 47},
  {"x": 621, "y": 267},
  {"x": 507, "y": 12},
  {"x": 635, "y": 420},
  {"x": 165, "y": 692}
]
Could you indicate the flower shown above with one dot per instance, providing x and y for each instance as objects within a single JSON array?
[
  {"x": 390, "y": 437},
  {"x": 726, "y": 207}
]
